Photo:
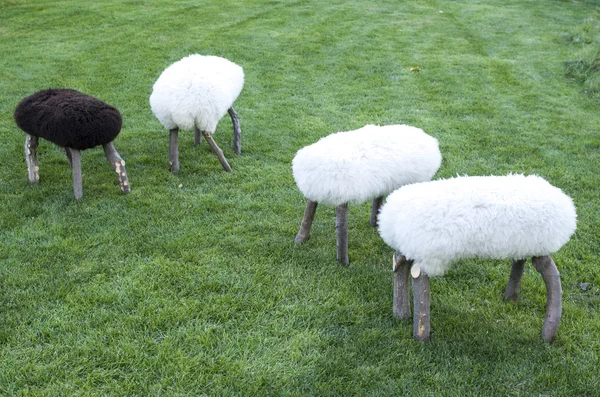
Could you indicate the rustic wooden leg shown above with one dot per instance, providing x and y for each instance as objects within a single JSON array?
[
  {"x": 307, "y": 220},
  {"x": 421, "y": 303},
  {"x": 77, "y": 183},
  {"x": 546, "y": 266},
  {"x": 33, "y": 170},
  {"x": 377, "y": 201},
  {"x": 67, "y": 152},
  {"x": 516, "y": 273},
  {"x": 174, "y": 150},
  {"x": 341, "y": 228},
  {"x": 118, "y": 165},
  {"x": 197, "y": 136},
  {"x": 237, "y": 131},
  {"x": 401, "y": 286},
  {"x": 217, "y": 150}
]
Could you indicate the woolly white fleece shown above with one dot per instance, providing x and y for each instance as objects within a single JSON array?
[
  {"x": 196, "y": 91},
  {"x": 356, "y": 166},
  {"x": 498, "y": 217}
]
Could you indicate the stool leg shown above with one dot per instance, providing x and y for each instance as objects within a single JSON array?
[
  {"x": 307, "y": 220},
  {"x": 174, "y": 150},
  {"x": 33, "y": 170},
  {"x": 341, "y": 228},
  {"x": 401, "y": 286},
  {"x": 77, "y": 183},
  {"x": 237, "y": 131},
  {"x": 516, "y": 273},
  {"x": 217, "y": 151},
  {"x": 197, "y": 136},
  {"x": 421, "y": 303},
  {"x": 377, "y": 201},
  {"x": 68, "y": 154},
  {"x": 118, "y": 165},
  {"x": 546, "y": 266}
]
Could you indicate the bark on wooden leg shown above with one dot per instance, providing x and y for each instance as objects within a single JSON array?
[
  {"x": 67, "y": 152},
  {"x": 118, "y": 165},
  {"x": 516, "y": 273},
  {"x": 307, "y": 220},
  {"x": 237, "y": 131},
  {"x": 421, "y": 303},
  {"x": 546, "y": 266},
  {"x": 377, "y": 201},
  {"x": 33, "y": 170},
  {"x": 401, "y": 286},
  {"x": 197, "y": 136},
  {"x": 341, "y": 228},
  {"x": 174, "y": 150},
  {"x": 217, "y": 151},
  {"x": 77, "y": 182}
]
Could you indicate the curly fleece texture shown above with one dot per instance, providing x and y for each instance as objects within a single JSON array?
[
  {"x": 196, "y": 91},
  {"x": 68, "y": 118},
  {"x": 498, "y": 217},
  {"x": 356, "y": 166}
]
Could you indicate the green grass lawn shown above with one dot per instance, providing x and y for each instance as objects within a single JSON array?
[{"x": 192, "y": 285}]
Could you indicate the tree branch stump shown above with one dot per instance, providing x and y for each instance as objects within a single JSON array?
[
  {"x": 514, "y": 280},
  {"x": 546, "y": 266},
  {"x": 197, "y": 136},
  {"x": 377, "y": 202},
  {"x": 77, "y": 179},
  {"x": 341, "y": 228},
  {"x": 174, "y": 150},
  {"x": 307, "y": 220},
  {"x": 237, "y": 131},
  {"x": 33, "y": 169},
  {"x": 217, "y": 151},
  {"x": 401, "y": 286},
  {"x": 421, "y": 303},
  {"x": 118, "y": 165}
]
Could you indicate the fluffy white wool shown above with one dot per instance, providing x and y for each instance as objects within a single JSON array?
[
  {"x": 356, "y": 166},
  {"x": 498, "y": 217},
  {"x": 196, "y": 91}
]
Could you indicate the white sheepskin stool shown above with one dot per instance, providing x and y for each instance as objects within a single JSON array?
[
  {"x": 433, "y": 224},
  {"x": 360, "y": 165},
  {"x": 195, "y": 93}
]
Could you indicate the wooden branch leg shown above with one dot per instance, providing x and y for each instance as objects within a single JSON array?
[
  {"x": 516, "y": 273},
  {"x": 401, "y": 286},
  {"x": 237, "y": 131},
  {"x": 197, "y": 136},
  {"x": 307, "y": 220},
  {"x": 421, "y": 303},
  {"x": 546, "y": 266},
  {"x": 67, "y": 152},
  {"x": 77, "y": 183},
  {"x": 377, "y": 201},
  {"x": 33, "y": 170},
  {"x": 118, "y": 165},
  {"x": 217, "y": 150},
  {"x": 341, "y": 228},
  {"x": 174, "y": 150}
]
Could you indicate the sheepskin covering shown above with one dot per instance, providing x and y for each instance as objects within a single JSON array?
[
  {"x": 68, "y": 118},
  {"x": 498, "y": 217},
  {"x": 355, "y": 166},
  {"x": 196, "y": 91}
]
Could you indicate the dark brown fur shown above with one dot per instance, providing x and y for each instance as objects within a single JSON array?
[{"x": 68, "y": 118}]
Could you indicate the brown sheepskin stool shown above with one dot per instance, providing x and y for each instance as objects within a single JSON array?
[{"x": 74, "y": 121}]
